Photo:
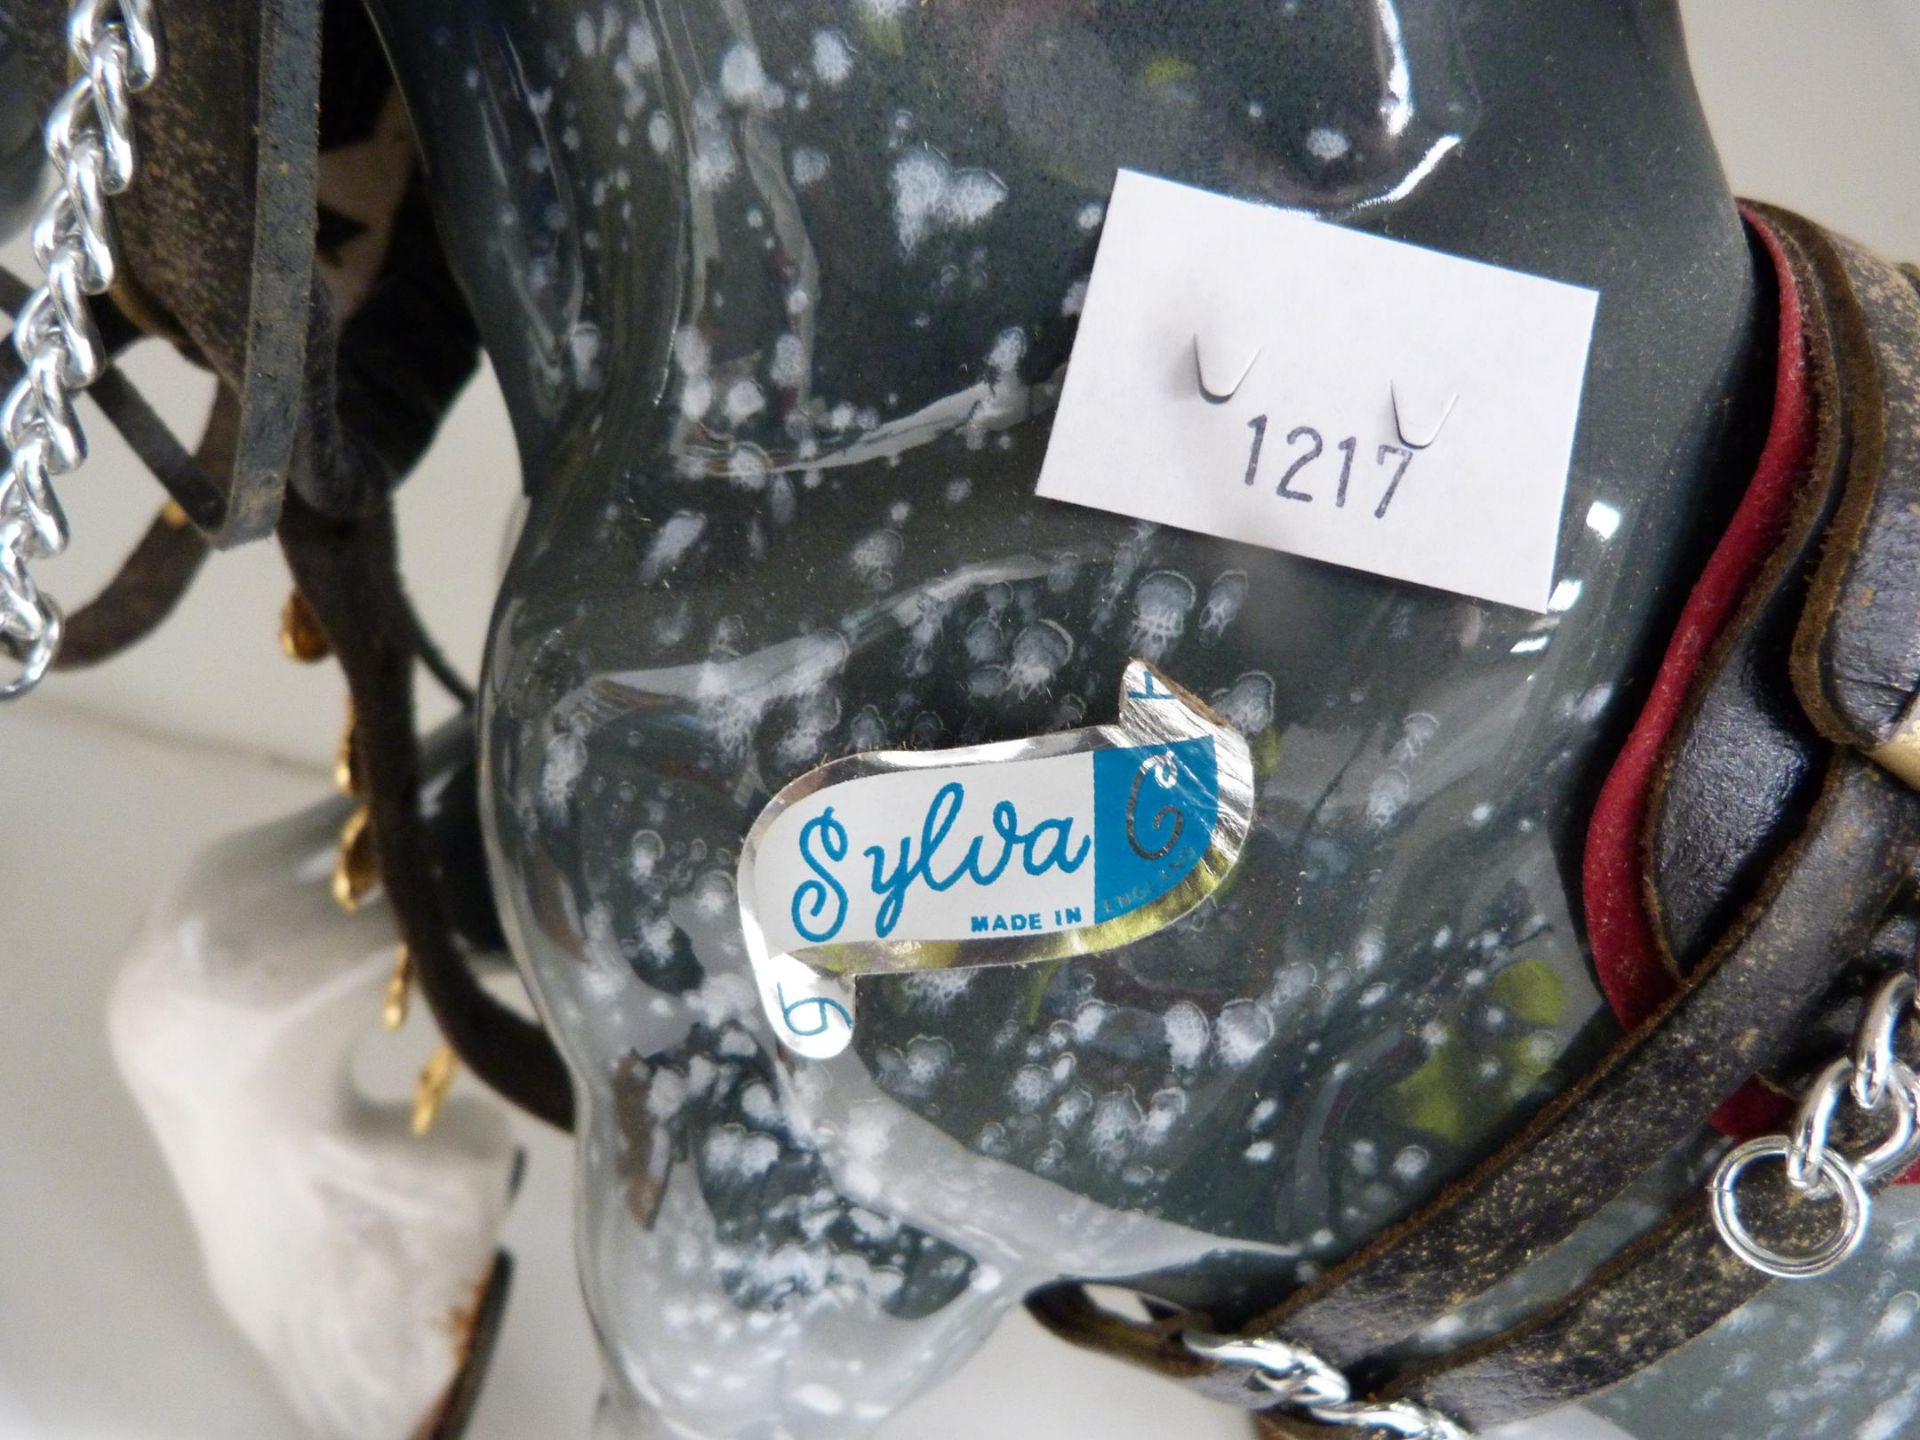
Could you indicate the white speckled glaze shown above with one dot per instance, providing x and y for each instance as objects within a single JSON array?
[{"x": 780, "y": 294}]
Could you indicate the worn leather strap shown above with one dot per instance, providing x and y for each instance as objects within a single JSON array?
[
  {"x": 1857, "y": 654},
  {"x": 1720, "y": 724},
  {"x": 1749, "y": 998},
  {"x": 1750, "y": 995},
  {"x": 1666, "y": 1289},
  {"x": 347, "y": 571},
  {"x": 1851, "y": 858},
  {"x": 1679, "y": 1281},
  {"x": 154, "y": 578},
  {"x": 219, "y": 227},
  {"x": 1071, "y": 1313},
  {"x": 219, "y": 236},
  {"x": 1742, "y": 753},
  {"x": 1656, "y": 1086}
]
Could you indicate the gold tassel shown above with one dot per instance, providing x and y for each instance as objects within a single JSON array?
[
  {"x": 301, "y": 637},
  {"x": 356, "y": 869},
  {"x": 436, "y": 1077},
  {"x": 393, "y": 1014}
]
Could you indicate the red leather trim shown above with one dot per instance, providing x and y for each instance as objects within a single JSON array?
[{"x": 1625, "y": 953}]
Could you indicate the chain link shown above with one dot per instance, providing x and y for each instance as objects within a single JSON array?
[
  {"x": 1874, "y": 1081},
  {"x": 1304, "y": 1382},
  {"x": 115, "y": 46}
]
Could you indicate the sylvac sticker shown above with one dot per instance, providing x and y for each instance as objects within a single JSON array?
[{"x": 895, "y": 861}]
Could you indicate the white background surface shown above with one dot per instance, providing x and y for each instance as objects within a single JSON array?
[{"x": 106, "y": 1327}]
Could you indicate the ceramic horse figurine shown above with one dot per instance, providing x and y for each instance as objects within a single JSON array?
[{"x": 779, "y": 297}]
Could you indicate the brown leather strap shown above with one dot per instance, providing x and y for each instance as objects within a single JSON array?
[
  {"x": 1672, "y": 1285},
  {"x": 1749, "y": 998},
  {"x": 218, "y": 233},
  {"x": 1751, "y": 994},
  {"x": 1851, "y": 859},
  {"x": 143, "y": 592},
  {"x": 1668, "y": 1288},
  {"x": 1742, "y": 754},
  {"x": 152, "y": 580},
  {"x": 1073, "y": 1315},
  {"x": 346, "y": 570},
  {"x": 1646, "y": 1095},
  {"x": 1680, "y": 1280},
  {"x": 1857, "y": 654}
]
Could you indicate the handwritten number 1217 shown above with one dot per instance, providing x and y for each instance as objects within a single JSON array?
[{"x": 1315, "y": 446}]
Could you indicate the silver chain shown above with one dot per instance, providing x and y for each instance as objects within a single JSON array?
[
  {"x": 1303, "y": 1382},
  {"x": 1873, "y": 1080},
  {"x": 89, "y": 135}
]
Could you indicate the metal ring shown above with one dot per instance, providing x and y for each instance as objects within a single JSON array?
[
  {"x": 66, "y": 446},
  {"x": 91, "y": 224},
  {"x": 50, "y": 226},
  {"x": 85, "y": 356},
  {"x": 143, "y": 41},
  {"x": 69, "y": 115},
  {"x": 20, "y": 419},
  {"x": 1406, "y": 1418},
  {"x": 1292, "y": 1372},
  {"x": 22, "y": 608},
  {"x": 1315, "y": 1383},
  {"x": 75, "y": 220},
  {"x": 1855, "y": 1207},
  {"x": 32, "y": 325},
  {"x": 1873, "y": 1052}
]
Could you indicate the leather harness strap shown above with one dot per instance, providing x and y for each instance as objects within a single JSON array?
[
  {"x": 1666, "y": 1289},
  {"x": 1856, "y": 658},
  {"x": 1659, "y": 1085},
  {"x": 154, "y": 578},
  {"x": 1670, "y": 1286},
  {"x": 1828, "y": 871},
  {"x": 1682, "y": 1279},
  {"x": 346, "y": 571},
  {"x": 1644, "y": 939}
]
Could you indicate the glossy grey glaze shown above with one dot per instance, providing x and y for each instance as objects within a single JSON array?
[
  {"x": 1832, "y": 1359},
  {"x": 778, "y": 294}
]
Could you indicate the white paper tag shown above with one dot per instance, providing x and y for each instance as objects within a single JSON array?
[{"x": 1312, "y": 331}]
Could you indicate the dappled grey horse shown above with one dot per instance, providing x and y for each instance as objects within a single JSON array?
[{"x": 780, "y": 296}]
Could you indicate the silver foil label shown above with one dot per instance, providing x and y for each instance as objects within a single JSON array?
[{"x": 896, "y": 861}]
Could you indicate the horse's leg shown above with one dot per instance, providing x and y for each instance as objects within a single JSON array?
[{"x": 347, "y": 1249}]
